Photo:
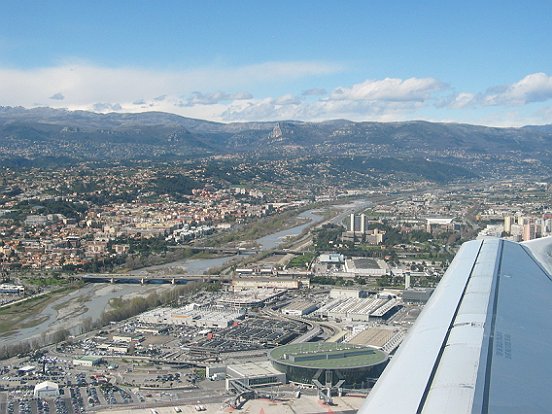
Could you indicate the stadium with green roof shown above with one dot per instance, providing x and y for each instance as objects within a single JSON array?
[{"x": 328, "y": 361}]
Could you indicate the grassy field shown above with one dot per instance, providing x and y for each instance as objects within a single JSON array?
[
  {"x": 47, "y": 281},
  {"x": 301, "y": 261}
]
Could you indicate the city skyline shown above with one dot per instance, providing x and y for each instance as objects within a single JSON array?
[{"x": 463, "y": 62}]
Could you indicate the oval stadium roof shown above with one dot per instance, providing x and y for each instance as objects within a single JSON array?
[{"x": 327, "y": 355}]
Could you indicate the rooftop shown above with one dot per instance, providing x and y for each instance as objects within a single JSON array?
[
  {"x": 253, "y": 369},
  {"x": 327, "y": 355}
]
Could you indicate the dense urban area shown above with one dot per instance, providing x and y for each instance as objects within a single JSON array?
[{"x": 193, "y": 287}]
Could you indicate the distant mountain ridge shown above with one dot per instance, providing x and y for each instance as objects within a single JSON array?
[{"x": 30, "y": 134}]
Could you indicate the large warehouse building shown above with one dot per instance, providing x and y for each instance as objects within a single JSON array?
[{"x": 327, "y": 361}]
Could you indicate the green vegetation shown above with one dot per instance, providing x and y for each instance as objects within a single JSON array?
[
  {"x": 418, "y": 167},
  {"x": 327, "y": 237},
  {"x": 122, "y": 309},
  {"x": 328, "y": 355},
  {"x": 47, "y": 281},
  {"x": 257, "y": 228},
  {"x": 19, "y": 315},
  {"x": 301, "y": 261},
  {"x": 333, "y": 281},
  {"x": 44, "y": 207},
  {"x": 174, "y": 184}
]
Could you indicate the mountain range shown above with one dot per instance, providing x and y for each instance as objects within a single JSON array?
[{"x": 42, "y": 135}]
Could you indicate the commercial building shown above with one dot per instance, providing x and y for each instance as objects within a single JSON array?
[
  {"x": 46, "y": 389},
  {"x": 209, "y": 317},
  {"x": 329, "y": 362},
  {"x": 250, "y": 297},
  {"x": 127, "y": 338},
  {"x": 358, "y": 231},
  {"x": 362, "y": 266},
  {"x": 26, "y": 370},
  {"x": 254, "y": 374},
  {"x": 87, "y": 361},
  {"x": 331, "y": 258},
  {"x": 437, "y": 226},
  {"x": 269, "y": 283},
  {"x": 8, "y": 288}
]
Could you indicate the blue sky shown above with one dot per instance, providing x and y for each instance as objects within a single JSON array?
[{"x": 483, "y": 62}]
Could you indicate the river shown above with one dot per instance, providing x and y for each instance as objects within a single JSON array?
[
  {"x": 201, "y": 266},
  {"x": 91, "y": 300}
]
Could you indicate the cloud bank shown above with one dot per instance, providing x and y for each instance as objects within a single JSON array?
[{"x": 240, "y": 93}]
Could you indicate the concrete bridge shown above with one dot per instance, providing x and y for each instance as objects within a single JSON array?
[
  {"x": 150, "y": 279},
  {"x": 236, "y": 250},
  {"x": 218, "y": 250}
]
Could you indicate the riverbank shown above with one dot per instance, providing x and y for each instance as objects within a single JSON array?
[
  {"x": 26, "y": 313},
  {"x": 71, "y": 310}
]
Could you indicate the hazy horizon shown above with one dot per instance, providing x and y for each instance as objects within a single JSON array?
[{"x": 471, "y": 62}]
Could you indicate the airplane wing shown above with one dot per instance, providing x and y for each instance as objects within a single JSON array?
[{"x": 483, "y": 343}]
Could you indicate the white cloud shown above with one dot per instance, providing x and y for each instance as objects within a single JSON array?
[
  {"x": 536, "y": 87},
  {"x": 106, "y": 107},
  {"x": 461, "y": 100},
  {"x": 287, "y": 100},
  {"x": 57, "y": 96},
  {"x": 199, "y": 98},
  {"x": 390, "y": 89},
  {"x": 323, "y": 109},
  {"x": 84, "y": 85},
  {"x": 314, "y": 92},
  {"x": 386, "y": 99},
  {"x": 222, "y": 93}
]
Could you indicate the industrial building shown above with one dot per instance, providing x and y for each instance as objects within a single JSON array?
[
  {"x": 371, "y": 336},
  {"x": 340, "y": 293},
  {"x": 299, "y": 308},
  {"x": 358, "y": 309},
  {"x": 417, "y": 295},
  {"x": 329, "y": 362}
]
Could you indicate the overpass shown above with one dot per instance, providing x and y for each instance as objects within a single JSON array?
[{"x": 150, "y": 279}]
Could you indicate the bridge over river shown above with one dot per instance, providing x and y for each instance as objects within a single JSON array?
[
  {"x": 235, "y": 250},
  {"x": 150, "y": 279}
]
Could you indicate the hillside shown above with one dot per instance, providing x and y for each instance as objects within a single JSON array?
[{"x": 45, "y": 136}]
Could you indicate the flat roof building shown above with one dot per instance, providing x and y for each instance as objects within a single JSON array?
[
  {"x": 327, "y": 361},
  {"x": 46, "y": 389},
  {"x": 363, "y": 266},
  {"x": 299, "y": 308},
  {"x": 254, "y": 374},
  {"x": 417, "y": 295},
  {"x": 87, "y": 361}
]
